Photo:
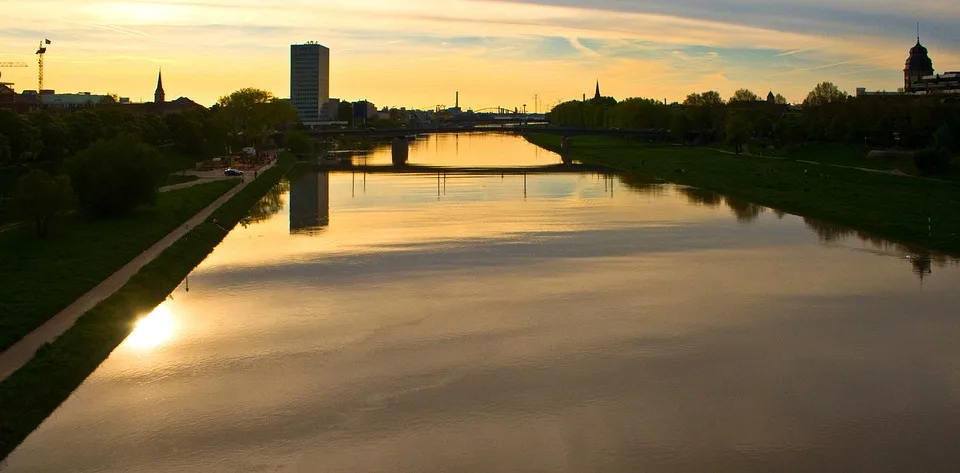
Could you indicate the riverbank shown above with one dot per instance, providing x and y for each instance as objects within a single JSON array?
[
  {"x": 43, "y": 276},
  {"x": 29, "y": 395},
  {"x": 909, "y": 210}
]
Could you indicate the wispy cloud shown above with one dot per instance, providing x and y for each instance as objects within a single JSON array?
[
  {"x": 575, "y": 42},
  {"x": 495, "y": 51}
]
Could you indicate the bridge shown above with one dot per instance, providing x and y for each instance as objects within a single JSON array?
[
  {"x": 478, "y": 171},
  {"x": 651, "y": 135}
]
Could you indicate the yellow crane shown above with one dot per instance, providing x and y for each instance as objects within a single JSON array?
[
  {"x": 40, "y": 52},
  {"x": 12, "y": 64}
]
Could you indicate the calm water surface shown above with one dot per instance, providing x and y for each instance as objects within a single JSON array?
[{"x": 403, "y": 323}]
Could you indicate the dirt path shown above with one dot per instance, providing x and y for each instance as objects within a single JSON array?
[{"x": 22, "y": 352}]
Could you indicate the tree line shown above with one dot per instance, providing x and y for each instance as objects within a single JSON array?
[
  {"x": 244, "y": 118},
  {"x": 826, "y": 115},
  {"x": 109, "y": 161}
]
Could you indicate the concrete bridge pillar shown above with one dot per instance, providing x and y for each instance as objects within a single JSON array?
[{"x": 400, "y": 151}]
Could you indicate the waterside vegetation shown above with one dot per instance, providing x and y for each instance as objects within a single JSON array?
[
  {"x": 28, "y": 396},
  {"x": 906, "y": 209}
]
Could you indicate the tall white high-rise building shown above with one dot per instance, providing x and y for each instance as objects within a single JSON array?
[{"x": 309, "y": 80}]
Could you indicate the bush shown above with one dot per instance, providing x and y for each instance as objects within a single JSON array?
[
  {"x": 932, "y": 161},
  {"x": 115, "y": 177}
]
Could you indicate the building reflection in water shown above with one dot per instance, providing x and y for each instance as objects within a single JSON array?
[{"x": 309, "y": 203}]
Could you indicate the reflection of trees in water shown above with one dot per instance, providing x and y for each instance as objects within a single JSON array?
[
  {"x": 268, "y": 205},
  {"x": 921, "y": 260},
  {"x": 746, "y": 211},
  {"x": 642, "y": 185},
  {"x": 828, "y": 232},
  {"x": 779, "y": 213},
  {"x": 700, "y": 196}
]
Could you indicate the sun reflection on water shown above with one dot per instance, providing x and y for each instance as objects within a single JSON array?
[{"x": 153, "y": 330}]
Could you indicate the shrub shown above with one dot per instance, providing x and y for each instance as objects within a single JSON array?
[
  {"x": 932, "y": 161},
  {"x": 114, "y": 177}
]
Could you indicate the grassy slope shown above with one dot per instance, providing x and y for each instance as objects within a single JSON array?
[
  {"x": 32, "y": 393},
  {"x": 851, "y": 155},
  {"x": 41, "y": 277},
  {"x": 894, "y": 207}
]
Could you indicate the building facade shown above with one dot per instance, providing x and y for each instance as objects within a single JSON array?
[
  {"x": 918, "y": 66},
  {"x": 309, "y": 81},
  {"x": 919, "y": 77}
]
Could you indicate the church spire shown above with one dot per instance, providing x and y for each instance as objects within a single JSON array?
[
  {"x": 597, "y": 95},
  {"x": 159, "y": 96}
]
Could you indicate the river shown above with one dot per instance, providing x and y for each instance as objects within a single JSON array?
[{"x": 555, "y": 323}]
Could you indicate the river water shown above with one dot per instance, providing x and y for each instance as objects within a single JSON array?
[{"x": 555, "y": 323}]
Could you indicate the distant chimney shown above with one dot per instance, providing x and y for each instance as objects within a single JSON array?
[{"x": 458, "y": 100}]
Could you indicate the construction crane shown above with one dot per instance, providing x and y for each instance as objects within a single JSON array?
[
  {"x": 11, "y": 64},
  {"x": 40, "y": 52}
]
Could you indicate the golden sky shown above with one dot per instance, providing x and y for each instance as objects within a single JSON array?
[{"x": 417, "y": 53}]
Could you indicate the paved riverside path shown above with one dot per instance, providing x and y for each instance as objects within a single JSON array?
[{"x": 22, "y": 352}]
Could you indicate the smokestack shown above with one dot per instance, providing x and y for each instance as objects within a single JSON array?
[{"x": 458, "y": 99}]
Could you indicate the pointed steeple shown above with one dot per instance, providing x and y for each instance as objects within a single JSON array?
[
  {"x": 159, "y": 96},
  {"x": 597, "y": 95}
]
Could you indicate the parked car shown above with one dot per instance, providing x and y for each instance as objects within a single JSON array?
[{"x": 232, "y": 172}]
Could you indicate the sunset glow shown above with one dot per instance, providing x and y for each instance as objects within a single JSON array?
[{"x": 496, "y": 53}]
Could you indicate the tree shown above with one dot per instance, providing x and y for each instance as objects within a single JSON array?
[
  {"x": 54, "y": 136},
  {"x": 824, "y": 93},
  {"x": 780, "y": 100},
  {"x": 186, "y": 132},
  {"x": 85, "y": 129},
  {"x": 706, "y": 99},
  {"x": 943, "y": 138},
  {"x": 738, "y": 131},
  {"x": 298, "y": 142},
  {"x": 154, "y": 130},
  {"x": 40, "y": 197},
  {"x": 5, "y": 154},
  {"x": 247, "y": 113},
  {"x": 114, "y": 177},
  {"x": 24, "y": 138},
  {"x": 281, "y": 114},
  {"x": 932, "y": 161},
  {"x": 744, "y": 95}
]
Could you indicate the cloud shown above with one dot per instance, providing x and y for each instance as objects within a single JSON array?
[{"x": 414, "y": 52}]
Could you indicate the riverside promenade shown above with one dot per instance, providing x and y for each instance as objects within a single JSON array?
[{"x": 22, "y": 352}]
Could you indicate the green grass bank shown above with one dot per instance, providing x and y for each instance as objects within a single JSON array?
[
  {"x": 889, "y": 206},
  {"x": 40, "y": 277},
  {"x": 31, "y": 394}
]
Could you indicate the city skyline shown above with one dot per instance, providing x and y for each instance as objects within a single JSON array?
[{"x": 496, "y": 53}]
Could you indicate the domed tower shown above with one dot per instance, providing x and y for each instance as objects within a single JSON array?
[{"x": 918, "y": 66}]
